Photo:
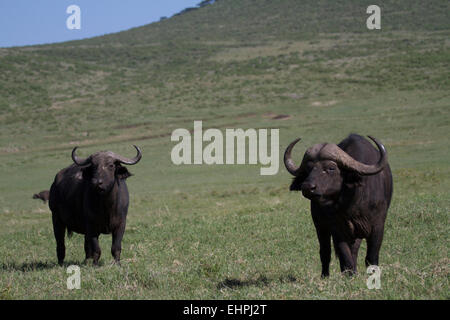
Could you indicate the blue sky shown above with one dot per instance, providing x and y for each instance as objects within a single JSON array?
[{"x": 28, "y": 22}]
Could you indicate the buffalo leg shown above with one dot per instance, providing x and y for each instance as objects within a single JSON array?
[
  {"x": 325, "y": 251},
  {"x": 354, "y": 249},
  {"x": 87, "y": 248},
  {"x": 59, "y": 231},
  {"x": 373, "y": 247},
  {"x": 324, "y": 237},
  {"x": 95, "y": 247},
  {"x": 116, "y": 247},
  {"x": 345, "y": 256}
]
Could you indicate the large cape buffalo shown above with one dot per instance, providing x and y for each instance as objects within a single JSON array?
[
  {"x": 91, "y": 197},
  {"x": 350, "y": 188}
]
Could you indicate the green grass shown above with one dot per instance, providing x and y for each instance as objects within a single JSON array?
[{"x": 225, "y": 232}]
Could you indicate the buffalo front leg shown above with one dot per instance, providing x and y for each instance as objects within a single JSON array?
[
  {"x": 324, "y": 236},
  {"x": 94, "y": 246},
  {"x": 354, "y": 249},
  {"x": 87, "y": 248},
  {"x": 373, "y": 247},
  {"x": 116, "y": 247},
  {"x": 325, "y": 251},
  {"x": 345, "y": 257}
]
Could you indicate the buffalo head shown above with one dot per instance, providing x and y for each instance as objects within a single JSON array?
[
  {"x": 324, "y": 169},
  {"x": 102, "y": 169}
]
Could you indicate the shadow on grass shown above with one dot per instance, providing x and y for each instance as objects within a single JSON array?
[
  {"x": 38, "y": 265},
  {"x": 261, "y": 281}
]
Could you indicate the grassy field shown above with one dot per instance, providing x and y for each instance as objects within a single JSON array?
[{"x": 226, "y": 232}]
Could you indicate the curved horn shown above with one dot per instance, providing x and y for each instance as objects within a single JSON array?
[
  {"x": 341, "y": 157},
  {"x": 288, "y": 162},
  {"x": 128, "y": 161},
  {"x": 79, "y": 161}
]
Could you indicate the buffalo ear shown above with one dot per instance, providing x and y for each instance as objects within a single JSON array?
[{"x": 122, "y": 172}]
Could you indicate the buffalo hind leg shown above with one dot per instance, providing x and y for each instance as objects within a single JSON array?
[
  {"x": 59, "y": 230},
  {"x": 116, "y": 247}
]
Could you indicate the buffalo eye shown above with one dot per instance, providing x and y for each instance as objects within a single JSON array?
[
  {"x": 328, "y": 170},
  {"x": 111, "y": 166}
]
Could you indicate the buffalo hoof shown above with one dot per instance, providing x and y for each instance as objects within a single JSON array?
[{"x": 349, "y": 273}]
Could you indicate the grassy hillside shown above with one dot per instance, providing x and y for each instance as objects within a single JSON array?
[{"x": 225, "y": 231}]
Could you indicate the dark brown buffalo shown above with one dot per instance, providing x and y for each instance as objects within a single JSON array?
[
  {"x": 43, "y": 195},
  {"x": 350, "y": 188},
  {"x": 91, "y": 197}
]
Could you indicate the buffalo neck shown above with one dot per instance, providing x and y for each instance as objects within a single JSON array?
[{"x": 107, "y": 201}]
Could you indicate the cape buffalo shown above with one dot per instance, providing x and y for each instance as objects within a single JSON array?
[
  {"x": 43, "y": 195},
  {"x": 91, "y": 197},
  {"x": 350, "y": 188}
]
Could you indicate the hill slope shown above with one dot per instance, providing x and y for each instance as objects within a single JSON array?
[
  {"x": 308, "y": 68},
  {"x": 191, "y": 58}
]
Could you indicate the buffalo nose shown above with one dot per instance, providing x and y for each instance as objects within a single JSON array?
[
  {"x": 97, "y": 182},
  {"x": 309, "y": 187}
]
